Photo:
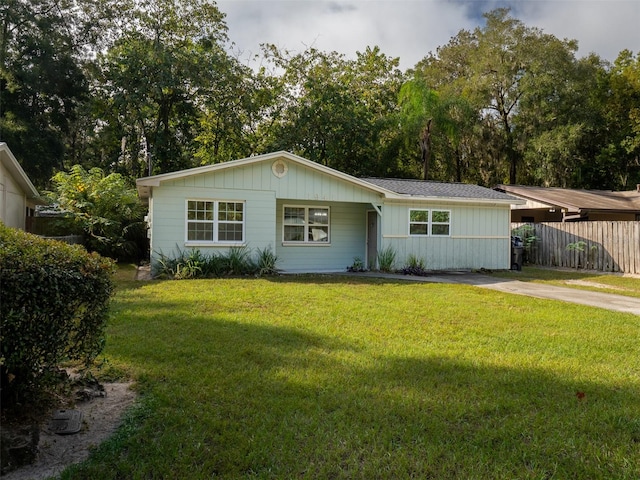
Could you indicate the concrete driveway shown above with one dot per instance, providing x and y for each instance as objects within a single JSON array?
[{"x": 618, "y": 303}]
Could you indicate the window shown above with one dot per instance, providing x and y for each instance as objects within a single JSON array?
[
  {"x": 418, "y": 222},
  {"x": 440, "y": 222},
  {"x": 306, "y": 224},
  {"x": 429, "y": 222},
  {"x": 215, "y": 221}
]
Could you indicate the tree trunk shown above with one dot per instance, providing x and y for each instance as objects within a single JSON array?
[{"x": 425, "y": 147}]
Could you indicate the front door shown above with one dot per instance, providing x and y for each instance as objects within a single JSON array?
[{"x": 372, "y": 239}]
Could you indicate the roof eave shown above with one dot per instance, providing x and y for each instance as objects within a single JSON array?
[
  {"x": 19, "y": 174},
  {"x": 488, "y": 201}
]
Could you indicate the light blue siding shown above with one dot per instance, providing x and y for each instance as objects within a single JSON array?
[
  {"x": 348, "y": 239},
  {"x": 479, "y": 237},
  {"x": 300, "y": 182},
  {"x": 168, "y": 217},
  {"x": 256, "y": 185}
]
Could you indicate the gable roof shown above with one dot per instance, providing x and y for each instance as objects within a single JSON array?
[
  {"x": 577, "y": 200},
  {"x": 431, "y": 189},
  {"x": 145, "y": 184},
  {"x": 388, "y": 188},
  {"x": 16, "y": 171}
]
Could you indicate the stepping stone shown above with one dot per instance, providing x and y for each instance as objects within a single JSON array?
[{"x": 65, "y": 422}]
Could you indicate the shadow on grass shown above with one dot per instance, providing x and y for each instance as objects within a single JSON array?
[{"x": 232, "y": 399}]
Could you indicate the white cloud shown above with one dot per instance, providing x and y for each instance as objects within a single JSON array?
[
  {"x": 410, "y": 29},
  {"x": 604, "y": 27}
]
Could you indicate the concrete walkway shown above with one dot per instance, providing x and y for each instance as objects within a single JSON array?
[{"x": 609, "y": 301}]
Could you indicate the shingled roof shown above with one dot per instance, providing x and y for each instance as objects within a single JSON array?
[
  {"x": 578, "y": 200},
  {"x": 431, "y": 189}
]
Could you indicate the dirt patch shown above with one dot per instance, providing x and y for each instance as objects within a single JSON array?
[
  {"x": 586, "y": 283},
  {"x": 101, "y": 417}
]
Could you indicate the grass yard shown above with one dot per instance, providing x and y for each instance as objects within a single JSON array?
[{"x": 328, "y": 377}]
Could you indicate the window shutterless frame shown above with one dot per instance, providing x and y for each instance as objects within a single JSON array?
[
  {"x": 429, "y": 223},
  {"x": 305, "y": 225},
  {"x": 214, "y": 222}
]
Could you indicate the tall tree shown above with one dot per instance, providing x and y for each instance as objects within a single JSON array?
[
  {"x": 438, "y": 125},
  {"x": 41, "y": 81},
  {"x": 497, "y": 68},
  {"x": 337, "y": 111},
  {"x": 154, "y": 79},
  {"x": 622, "y": 146}
]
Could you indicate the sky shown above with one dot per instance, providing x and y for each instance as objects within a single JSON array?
[{"x": 410, "y": 29}]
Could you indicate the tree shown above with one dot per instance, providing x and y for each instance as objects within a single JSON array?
[
  {"x": 437, "y": 124},
  {"x": 154, "y": 79},
  {"x": 107, "y": 209},
  {"x": 238, "y": 108},
  {"x": 41, "y": 82},
  {"x": 498, "y": 69},
  {"x": 338, "y": 112},
  {"x": 622, "y": 146}
]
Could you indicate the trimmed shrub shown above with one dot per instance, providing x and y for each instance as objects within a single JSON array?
[{"x": 54, "y": 308}]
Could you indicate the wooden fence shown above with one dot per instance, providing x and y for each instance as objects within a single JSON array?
[{"x": 603, "y": 246}]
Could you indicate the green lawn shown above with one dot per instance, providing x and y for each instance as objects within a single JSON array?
[{"x": 327, "y": 377}]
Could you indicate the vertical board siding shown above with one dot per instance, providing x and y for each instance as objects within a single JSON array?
[
  {"x": 607, "y": 247},
  {"x": 169, "y": 210},
  {"x": 480, "y": 237},
  {"x": 299, "y": 182},
  {"x": 347, "y": 234},
  {"x": 13, "y": 200}
]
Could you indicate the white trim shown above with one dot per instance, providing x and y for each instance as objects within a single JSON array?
[
  {"x": 305, "y": 244},
  {"x": 200, "y": 243},
  {"x": 429, "y": 223},
  {"x": 20, "y": 176},
  {"x": 306, "y": 226},
  {"x": 215, "y": 222}
]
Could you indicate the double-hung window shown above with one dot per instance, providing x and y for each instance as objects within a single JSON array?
[
  {"x": 305, "y": 225},
  {"x": 215, "y": 221},
  {"x": 436, "y": 223}
]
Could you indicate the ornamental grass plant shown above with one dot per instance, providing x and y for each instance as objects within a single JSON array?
[{"x": 346, "y": 377}]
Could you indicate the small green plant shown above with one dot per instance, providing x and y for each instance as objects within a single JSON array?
[
  {"x": 529, "y": 240},
  {"x": 266, "y": 262},
  {"x": 414, "y": 266},
  {"x": 357, "y": 265},
  {"x": 416, "y": 262},
  {"x": 238, "y": 261},
  {"x": 191, "y": 267},
  {"x": 187, "y": 264},
  {"x": 386, "y": 259},
  {"x": 581, "y": 247}
]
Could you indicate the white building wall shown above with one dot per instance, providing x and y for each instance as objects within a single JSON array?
[{"x": 13, "y": 201}]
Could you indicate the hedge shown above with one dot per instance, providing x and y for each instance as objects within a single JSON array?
[{"x": 53, "y": 307}]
